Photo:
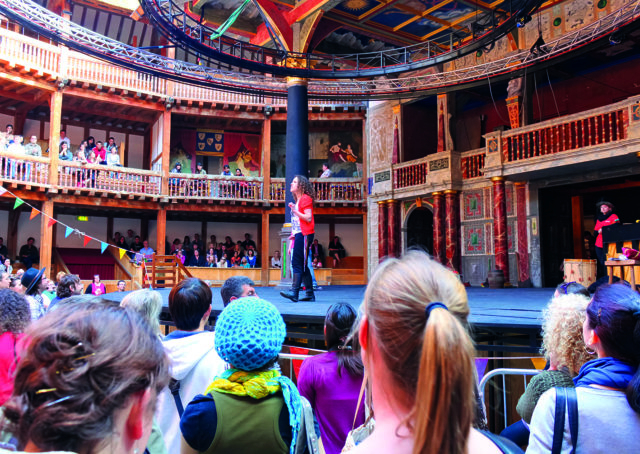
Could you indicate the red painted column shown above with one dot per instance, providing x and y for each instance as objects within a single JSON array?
[
  {"x": 452, "y": 230},
  {"x": 393, "y": 208},
  {"x": 500, "y": 244},
  {"x": 438, "y": 227},
  {"x": 383, "y": 224},
  {"x": 521, "y": 212}
]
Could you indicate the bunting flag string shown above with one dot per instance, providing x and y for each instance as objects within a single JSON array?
[
  {"x": 103, "y": 247},
  {"x": 87, "y": 239},
  {"x": 51, "y": 222},
  {"x": 18, "y": 202},
  {"x": 68, "y": 231},
  {"x": 34, "y": 213}
]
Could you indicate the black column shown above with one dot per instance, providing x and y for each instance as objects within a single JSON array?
[{"x": 297, "y": 135}]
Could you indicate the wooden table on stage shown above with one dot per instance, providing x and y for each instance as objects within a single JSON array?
[{"x": 610, "y": 264}]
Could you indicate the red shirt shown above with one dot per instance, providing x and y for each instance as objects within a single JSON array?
[
  {"x": 609, "y": 221},
  {"x": 305, "y": 203}
]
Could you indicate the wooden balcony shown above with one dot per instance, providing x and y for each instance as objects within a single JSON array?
[
  {"x": 472, "y": 163},
  {"x": 192, "y": 187},
  {"x": 328, "y": 190},
  {"x": 24, "y": 171},
  {"x": 411, "y": 173}
]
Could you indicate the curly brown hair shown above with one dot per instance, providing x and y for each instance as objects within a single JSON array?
[
  {"x": 305, "y": 186},
  {"x": 82, "y": 365},
  {"x": 15, "y": 314},
  {"x": 562, "y": 332}
]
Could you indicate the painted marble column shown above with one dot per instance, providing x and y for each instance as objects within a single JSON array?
[
  {"x": 438, "y": 227},
  {"x": 383, "y": 234},
  {"x": 523, "y": 247},
  {"x": 393, "y": 249},
  {"x": 297, "y": 142},
  {"x": 500, "y": 244},
  {"x": 452, "y": 230}
]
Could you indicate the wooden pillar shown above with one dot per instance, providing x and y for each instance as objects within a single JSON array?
[
  {"x": 523, "y": 247},
  {"x": 452, "y": 230},
  {"x": 577, "y": 217},
  {"x": 266, "y": 158},
  {"x": 438, "y": 228},
  {"x": 18, "y": 124},
  {"x": 264, "y": 249},
  {"x": 500, "y": 243},
  {"x": 46, "y": 235},
  {"x": 161, "y": 231},
  {"x": 365, "y": 247},
  {"x": 166, "y": 149},
  {"x": 383, "y": 225},
  {"x": 55, "y": 106}
]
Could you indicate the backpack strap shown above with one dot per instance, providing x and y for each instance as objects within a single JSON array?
[
  {"x": 558, "y": 425},
  {"x": 572, "y": 405},
  {"x": 174, "y": 387},
  {"x": 505, "y": 445}
]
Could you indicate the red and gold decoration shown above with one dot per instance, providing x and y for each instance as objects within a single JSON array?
[
  {"x": 500, "y": 243},
  {"x": 513, "y": 106}
]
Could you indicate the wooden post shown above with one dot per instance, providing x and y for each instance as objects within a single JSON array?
[
  {"x": 266, "y": 158},
  {"x": 577, "y": 218},
  {"x": 46, "y": 235},
  {"x": 264, "y": 249},
  {"x": 161, "y": 231},
  {"x": 55, "y": 105},
  {"x": 166, "y": 150},
  {"x": 365, "y": 250}
]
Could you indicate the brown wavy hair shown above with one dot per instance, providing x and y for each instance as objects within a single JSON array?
[
  {"x": 429, "y": 359},
  {"x": 305, "y": 186},
  {"x": 562, "y": 332},
  {"x": 15, "y": 314},
  {"x": 81, "y": 366}
]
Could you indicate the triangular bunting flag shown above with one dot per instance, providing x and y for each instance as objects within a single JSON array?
[
  {"x": 539, "y": 363},
  {"x": 2, "y": 190},
  {"x": 34, "y": 213},
  {"x": 103, "y": 247},
  {"x": 68, "y": 231},
  {"x": 18, "y": 202},
  {"x": 51, "y": 222},
  {"x": 87, "y": 238},
  {"x": 122, "y": 252}
]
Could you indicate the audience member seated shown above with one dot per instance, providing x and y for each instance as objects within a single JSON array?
[
  {"x": 180, "y": 256},
  {"x": 5, "y": 280},
  {"x": 326, "y": 172},
  {"x": 251, "y": 258},
  {"x": 29, "y": 254},
  {"x": 96, "y": 288},
  {"x": 607, "y": 388},
  {"x": 69, "y": 285},
  {"x": 4, "y": 252},
  {"x": 331, "y": 381},
  {"x": 248, "y": 242},
  {"x": 121, "y": 286},
  {"x": 137, "y": 244},
  {"x": 64, "y": 138},
  {"x": 130, "y": 238},
  {"x": 316, "y": 251},
  {"x": 228, "y": 242},
  {"x": 32, "y": 148},
  {"x": 91, "y": 143},
  {"x": 175, "y": 245},
  {"x": 92, "y": 158},
  {"x": 111, "y": 145},
  {"x": 420, "y": 360},
  {"x": 16, "y": 285},
  {"x": 211, "y": 261},
  {"x": 224, "y": 262},
  {"x": 148, "y": 304},
  {"x": 35, "y": 283},
  {"x": 570, "y": 288},
  {"x": 226, "y": 171},
  {"x": 315, "y": 263},
  {"x": 15, "y": 146},
  {"x": 196, "y": 259},
  {"x": 15, "y": 316},
  {"x": 146, "y": 251},
  {"x": 565, "y": 353},
  {"x": 250, "y": 407},
  {"x": 336, "y": 251},
  {"x": 187, "y": 246},
  {"x": 236, "y": 259},
  {"x": 122, "y": 243},
  {"x": 100, "y": 152},
  {"x": 87, "y": 381},
  {"x": 192, "y": 353},
  {"x": 276, "y": 260},
  {"x": 236, "y": 287},
  {"x": 6, "y": 266},
  {"x": 198, "y": 241},
  {"x": 113, "y": 157},
  {"x": 211, "y": 252},
  {"x": 64, "y": 153}
]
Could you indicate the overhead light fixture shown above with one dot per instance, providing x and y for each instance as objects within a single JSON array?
[
  {"x": 539, "y": 48},
  {"x": 616, "y": 38},
  {"x": 523, "y": 20}
]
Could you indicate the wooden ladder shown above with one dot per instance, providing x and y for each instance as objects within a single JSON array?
[{"x": 167, "y": 271}]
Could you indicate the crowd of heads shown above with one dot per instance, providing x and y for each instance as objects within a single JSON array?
[{"x": 223, "y": 254}]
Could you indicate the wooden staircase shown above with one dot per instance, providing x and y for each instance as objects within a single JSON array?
[
  {"x": 167, "y": 271},
  {"x": 350, "y": 272}
]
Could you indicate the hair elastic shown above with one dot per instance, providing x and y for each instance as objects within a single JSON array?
[{"x": 434, "y": 305}]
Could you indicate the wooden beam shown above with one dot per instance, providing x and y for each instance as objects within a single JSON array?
[
  {"x": 161, "y": 231},
  {"x": 92, "y": 96},
  {"x": 577, "y": 217},
  {"x": 264, "y": 249},
  {"x": 165, "y": 140},
  {"x": 46, "y": 235},
  {"x": 55, "y": 113}
]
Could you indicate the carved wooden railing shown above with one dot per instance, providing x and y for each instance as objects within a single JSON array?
[
  {"x": 192, "y": 186},
  {"x": 472, "y": 163},
  {"x": 338, "y": 189},
  {"x": 109, "y": 179},
  {"x": 277, "y": 191},
  {"x": 593, "y": 127},
  {"x": 22, "y": 169},
  {"x": 412, "y": 173},
  {"x": 28, "y": 53}
]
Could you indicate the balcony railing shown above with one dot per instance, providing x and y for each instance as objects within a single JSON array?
[
  {"x": 593, "y": 127},
  {"x": 31, "y": 54},
  {"x": 25, "y": 170},
  {"x": 277, "y": 192},
  {"x": 191, "y": 186},
  {"x": 112, "y": 180},
  {"x": 412, "y": 173},
  {"x": 328, "y": 190},
  {"x": 472, "y": 163}
]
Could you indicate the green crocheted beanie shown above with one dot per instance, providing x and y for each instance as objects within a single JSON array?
[{"x": 249, "y": 333}]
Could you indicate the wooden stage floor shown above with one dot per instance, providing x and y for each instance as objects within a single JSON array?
[{"x": 505, "y": 320}]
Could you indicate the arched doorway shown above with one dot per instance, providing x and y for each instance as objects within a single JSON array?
[{"x": 419, "y": 229}]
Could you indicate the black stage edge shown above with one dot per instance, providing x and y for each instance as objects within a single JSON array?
[{"x": 504, "y": 320}]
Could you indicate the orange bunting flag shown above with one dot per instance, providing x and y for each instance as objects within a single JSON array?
[
  {"x": 539, "y": 363},
  {"x": 51, "y": 222},
  {"x": 86, "y": 240},
  {"x": 34, "y": 213},
  {"x": 122, "y": 252}
]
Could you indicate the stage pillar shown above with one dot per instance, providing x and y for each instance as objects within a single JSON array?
[
  {"x": 500, "y": 245},
  {"x": 523, "y": 246},
  {"x": 46, "y": 236},
  {"x": 161, "y": 231},
  {"x": 383, "y": 223},
  {"x": 264, "y": 248},
  {"x": 55, "y": 118},
  {"x": 452, "y": 230},
  {"x": 166, "y": 149},
  {"x": 297, "y": 145},
  {"x": 266, "y": 158},
  {"x": 393, "y": 246},
  {"x": 438, "y": 228}
]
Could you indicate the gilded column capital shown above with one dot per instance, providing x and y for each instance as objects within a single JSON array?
[
  {"x": 496, "y": 179},
  {"x": 292, "y": 81}
]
